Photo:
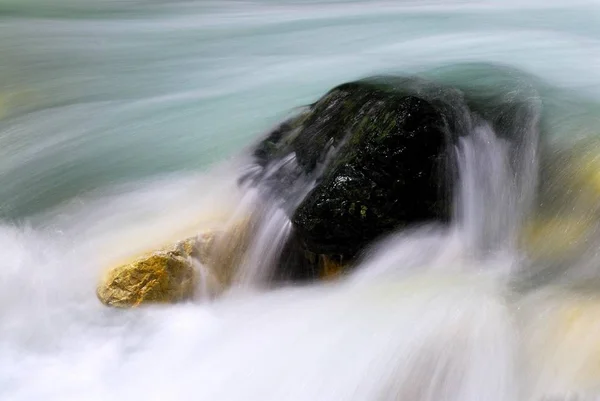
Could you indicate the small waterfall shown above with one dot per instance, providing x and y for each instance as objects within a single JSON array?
[
  {"x": 494, "y": 194},
  {"x": 492, "y": 201},
  {"x": 486, "y": 198},
  {"x": 270, "y": 227},
  {"x": 267, "y": 243},
  {"x": 496, "y": 184}
]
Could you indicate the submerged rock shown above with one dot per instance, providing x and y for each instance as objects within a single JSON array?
[{"x": 555, "y": 238}]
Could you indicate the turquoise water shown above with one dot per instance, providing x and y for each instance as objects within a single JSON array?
[{"x": 113, "y": 91}]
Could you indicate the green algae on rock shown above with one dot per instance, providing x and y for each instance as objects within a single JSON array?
[
  {"x": 381, "y": 154},
  {"x": 377, "y": 150}
]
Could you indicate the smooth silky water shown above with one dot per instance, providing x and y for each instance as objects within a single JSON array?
[{"x": 124, "y": 126}]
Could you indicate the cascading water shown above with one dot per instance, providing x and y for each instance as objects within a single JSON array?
[
  {"x": 95, "y": 100},
  {"x": 494, "y": 197},
  {"x": 487, "y": 202}
]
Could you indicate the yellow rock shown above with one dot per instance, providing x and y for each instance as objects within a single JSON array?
[
  {"x": 554, "y": 237},
  {"x": 161, "y": 277},
  {"x": 207, "y": 261},
  {"x": 572, "y": 177},
  {"x": 167, "y": 275},
  {"x": 586, "y": 170}
]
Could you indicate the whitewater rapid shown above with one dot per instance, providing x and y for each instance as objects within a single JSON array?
[{"x": 123, "y": 127}]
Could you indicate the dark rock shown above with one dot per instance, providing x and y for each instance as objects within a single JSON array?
[
  {"x": 387, "y": 173},
  {"x": 377, "y": 151},
  {"x": 377, "y": 155}
]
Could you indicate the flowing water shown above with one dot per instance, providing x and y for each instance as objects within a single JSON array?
[{"x": 124, "y": 124}]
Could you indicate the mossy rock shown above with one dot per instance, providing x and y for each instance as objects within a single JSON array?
[
  {"x": 387, "y": 171},
  {"x": 377, "y": 150},
  {"x": 381, "y": 154},
  {"x": 390, "y": 175}
]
